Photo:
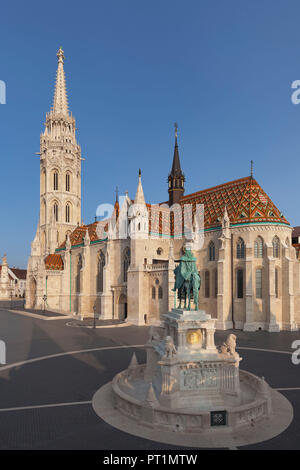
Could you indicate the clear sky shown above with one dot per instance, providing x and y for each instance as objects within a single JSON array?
[{"x": 222, "y": 69}]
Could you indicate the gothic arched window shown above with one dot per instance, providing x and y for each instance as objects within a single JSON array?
[
  {"x": 68, "y": 182},
  {"x": 240, "y": 249},
  {"x": 101, "y": 264},
  {"x": 258, "y": 247},
  {"x": 55, "y": 181},
  {"x": 277, "y": 283},
  {"x": 55, "y": 211},
  {"x": 68, "y": 213},
  {"x": 126, "y": 263},
  {"x": 216, "y": 282},
  {"x": 153, "y": 293},
  {"x": 78, "y": 269},
  {"x": 240, "y": 283},
  {"x": 276, "y": 247},
  {"x": 160, "y": 292},
  {"x": 206, "y": 284},
  {"x": 211, "y": 251},
  {"x": 258, "y": 283}
]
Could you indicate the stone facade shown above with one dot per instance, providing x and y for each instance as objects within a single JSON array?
[{"x": 249, "y": 269}]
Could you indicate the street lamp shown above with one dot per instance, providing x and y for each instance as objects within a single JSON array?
[
  {"x": 45, "y": 301},
  {"x": 94, "y": 308}
]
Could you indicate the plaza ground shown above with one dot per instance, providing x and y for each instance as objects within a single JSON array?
[{"x": 53, "y": 371}]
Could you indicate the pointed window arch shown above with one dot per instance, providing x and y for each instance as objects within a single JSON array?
[
  {"x": 160, "y": 292},
  {"x": 126, "y": 263},
  {"x": 206, "y": 284},
  {"x": 100, "y": 276},
  {"x": 240, "y": 249},
  {"x": 68, "y": 181},
  {"x": 240, "y": 283},
  {"x": 258, "y": 247},
  {"x": 258, "y": 282},
  {"x": 216, "y": 282},
  {"x": 211, "y": 251},
  {"x": 153, "y": 290},
  {"x": 68, "y": 213},
  {"x": 55, "y": 211},
  {"x": 276, "y": 283},
  {"x": 276, "y": 247},
  {"x": 55, "y": 180},
  {"x": 78, "y": 269}
]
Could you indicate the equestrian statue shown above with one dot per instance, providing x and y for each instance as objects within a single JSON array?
[{"x": 187, "y": 280}]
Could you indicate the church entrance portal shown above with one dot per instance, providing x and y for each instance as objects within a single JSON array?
[{"x": 122, "y": 307}]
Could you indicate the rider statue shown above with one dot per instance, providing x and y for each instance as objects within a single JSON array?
[{"x": 187, "y": 280}]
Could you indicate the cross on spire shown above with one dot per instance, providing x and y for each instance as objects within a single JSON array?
[{"x": 176, "y": 129}]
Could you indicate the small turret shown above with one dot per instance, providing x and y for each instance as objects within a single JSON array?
[{"x": 138, "y": 214}]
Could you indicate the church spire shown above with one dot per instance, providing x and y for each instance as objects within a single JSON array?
[
  {"x": 139, "y": 197},
  {"x": 176, "y": 178},
  {"x": 60, "y": 102}
]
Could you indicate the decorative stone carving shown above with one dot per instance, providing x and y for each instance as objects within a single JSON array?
[{"x": 170, "y": 350}]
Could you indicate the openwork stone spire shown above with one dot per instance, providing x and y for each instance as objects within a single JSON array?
[
  {"x": 60, "y": 102},
  {"x": 139, "y": 197}
]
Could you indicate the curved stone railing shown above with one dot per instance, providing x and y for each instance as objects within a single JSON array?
[{"x": 154, "y": 415}]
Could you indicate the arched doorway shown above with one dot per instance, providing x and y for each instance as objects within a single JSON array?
[{"x": 122, "y": 307}]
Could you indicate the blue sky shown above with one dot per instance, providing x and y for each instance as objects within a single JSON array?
[{"x": 223, "y": 70}]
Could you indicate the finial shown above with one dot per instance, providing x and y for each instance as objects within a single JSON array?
[
  {"x": 176, "y": 129},
  {"x": 252, "y": 168},
  {"x": 117, "y": 194},
  {"x": 140, "y": 172},
  {"x": 60, "y": 55}
]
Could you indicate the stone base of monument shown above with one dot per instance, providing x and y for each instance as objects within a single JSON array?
[{"x": 190, "y": 388}]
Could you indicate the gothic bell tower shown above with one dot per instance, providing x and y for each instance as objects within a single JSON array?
[
  {"x": 176, "y": 178},
  {"x": 60, "y": 169}
]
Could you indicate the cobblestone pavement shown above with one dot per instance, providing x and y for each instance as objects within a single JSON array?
[{"x": 45, "y": 399}]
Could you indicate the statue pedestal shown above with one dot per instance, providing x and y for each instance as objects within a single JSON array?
[
  {"x": 187, "y": 383},
  {"x": 192, "y": 371}
]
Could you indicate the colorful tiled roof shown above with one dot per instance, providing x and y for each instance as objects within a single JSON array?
[
  {"x": 244, "y": 198},
  {"x": 77, "y": 236},
  {"x": 54, "y": 262}
]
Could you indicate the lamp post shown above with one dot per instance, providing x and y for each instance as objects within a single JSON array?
[
  {"x": 45, "y": 300},
  {"x": 94, "y": 308}
]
